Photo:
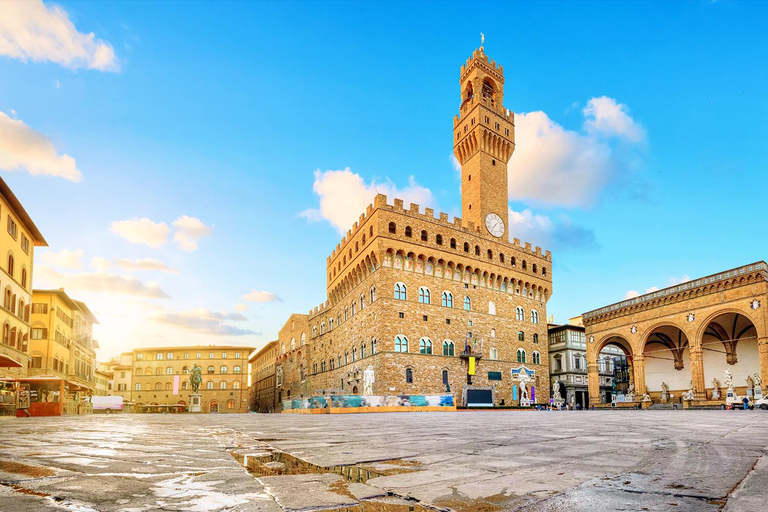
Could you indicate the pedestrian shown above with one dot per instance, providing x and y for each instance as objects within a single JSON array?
[{"x": 746, "y": 403}]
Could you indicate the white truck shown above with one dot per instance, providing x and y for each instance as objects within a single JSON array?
[{"x": 107, "y": 404}]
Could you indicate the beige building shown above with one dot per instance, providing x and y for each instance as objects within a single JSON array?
[
  {"x": 160, "y": 377},
  {"x": 262, "y": 367},
  {"x": 413, "y": 296},
  {"x": 121, "y": 370},
  {"x": 686, "y": 336}
]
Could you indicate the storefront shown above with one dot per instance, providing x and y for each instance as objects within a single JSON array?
[{"x": 46, "y": 396}]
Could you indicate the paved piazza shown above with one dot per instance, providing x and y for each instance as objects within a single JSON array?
[{"x": 578, "y": 460}]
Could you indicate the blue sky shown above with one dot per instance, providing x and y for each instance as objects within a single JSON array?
[{"x": 640, "y": 154}]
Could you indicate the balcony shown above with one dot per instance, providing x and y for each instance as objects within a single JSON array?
[{"x": 468, "y": 352}]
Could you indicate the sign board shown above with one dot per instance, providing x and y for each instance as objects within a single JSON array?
[{"x": 471, "y": 370}]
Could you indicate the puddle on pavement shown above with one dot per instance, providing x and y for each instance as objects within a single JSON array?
[
  {"x": 9, "y": 466},
  {"x": 277, "y": 463}
]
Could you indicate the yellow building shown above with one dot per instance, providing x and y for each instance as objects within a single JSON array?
[
  {"x": 160, "y": 378},
  {"x": 62, "y": 354},
  {"x": 17, "y": 246}
]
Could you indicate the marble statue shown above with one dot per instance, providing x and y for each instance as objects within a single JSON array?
[
  {"x": 195, "y": 378},
  {"x": 750, "y": 382},
  {"x": 631, "y": 389},
  {"x": 715, "y": 388},
  {"x": 664, "y": 387},
  {"x": 524, "y": 390},
  {"x": 646, "y": 397},
  {"x": 758, "y": 381},
  {"x": 728, "y": 378},
  {"x": 368, "y": 380},
  {"x": 556, "y": 396}
]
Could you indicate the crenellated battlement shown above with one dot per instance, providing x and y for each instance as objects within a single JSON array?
[
  {"x": 414, "y": 210},
  {"x": 478, "y": 57}
]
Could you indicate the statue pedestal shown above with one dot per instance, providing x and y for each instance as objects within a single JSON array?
[
  {"x": 664, "y": 397},
  {"x": 558, "y": 402},
  {"x": 715, "y": 394},
  {"x": 525, "y": 403},
  {"x": 749, "y": 392},
  {"x": 195, "y": 402},
  {"x": 758, "y": 393}
]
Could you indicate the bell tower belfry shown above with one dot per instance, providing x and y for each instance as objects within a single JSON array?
[{"x": 484, "y": 140}]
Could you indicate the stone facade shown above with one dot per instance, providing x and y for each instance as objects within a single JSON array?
[
  {"x": 687, "y": 335},
  {"x": 447, "y": 287},
  {"x": 262, "y": 367}
]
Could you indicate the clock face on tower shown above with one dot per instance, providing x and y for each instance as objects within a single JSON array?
[{"x": 494, "y": 224}]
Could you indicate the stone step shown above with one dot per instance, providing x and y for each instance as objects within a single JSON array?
[{"x": 659, "y": 407}]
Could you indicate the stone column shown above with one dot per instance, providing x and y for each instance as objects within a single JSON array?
[
  {"x": 762, "y": 349},
  {"x": 697, "y": 372},
  {"x": 638, "y": 363},
  {"x": 593, "y": 380}
]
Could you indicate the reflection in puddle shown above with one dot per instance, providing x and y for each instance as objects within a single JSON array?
[{"x": 277, "y": 463}]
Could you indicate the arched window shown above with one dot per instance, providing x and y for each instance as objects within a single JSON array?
[
  {"x": 544, "y": 271},
  {"x": 392, "y": 228},
  {"x": 362, "y": 301},
  {"x": 209, "y": 385},
  {"x": 223, "y": 385},
  {"x": 23, "y": 278},
  {"x": 519, "y": 313},
  {"x": 303, "y": 339},
  {"x": 425, "y": 346},
  {"x": 491, "y": 308},
  {"x": 501, "y": 257},
  {"x": 448, "y": 348},
  {"x": 453, "y": 243},
  {"x": 346, "y": 357},
  {"x": 445, "y": 377},
  {"x": 169, "y": 371},
  {"x": 494, "y": 354},
  {"x": 467, "y": 304},
  {"x": 409, "y": 376},
  {"x": 424, "y": 235},
  {"x": 322, "y": 330},
  {"x": 424, "y": 295},
  {"x": 370, "y": 232},
  {"x": 408, "y": 231},
  {"x": 322, "y": 366},
  {"x": 400, "y": 291},
  {"x": 520, "y": 336},
  {"x": 513, "y": 261},
  {"x": 314, "y": 368},
  {"x": 293, "y": 340},
  {"x": 439, "y": 239},
  {"x": 373, "y": 346},
  {"x": 346, "y": 313},
  {"x": 535, "y": 338},
  {"x": 137, "y": 387},
  {"x": 158, "y": 386},
  {"x": 525, "y": 265},
  {"x": 534, "y": 268},
  {"x": 10, "y": 265},
  {"x": 314, "y": 331},
  {"x": 534, "y": 316},
  {"x": 282, "y": 347},
  {"x": 353, "y": 309},
  {"x": 477, "y": 250},
  {"x": 158, "y": 371},
  {"x": 185, "y": 384},
  {"x": 354, "y": 354},
  {"x": 373, "y": 294},
  {"x": 536, "y": 358},
  {"x": 493, "y": 333},
  {"x": 236, "y": 369},
  {"x": 558, "y": 363},
  {"x": 490, "y": 254},
  {"x": 223, "y": 370},
  {"x": 139, "y": 372},
  {"x": 211, "y": 370},
  {"x": 466, "y": 247},
  {"x": 520, "y": 355},
  {"x": 401, "y": 343},
  {"x": 168, "y": 386},
  {"x": 230, "y": 404},
  {"x": 447, "y": 299},
  {"x": 362, "y": 351}
]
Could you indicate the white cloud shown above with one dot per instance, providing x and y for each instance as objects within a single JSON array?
[
  {"x": 100, "y": 264},
  {"x": 241, "y": 307},
  {"x": 543, "y": 231},
  {"x": 631, "y": 294},
  {"x": 203, "y": 321},
  {"x": 344, "y": 195},
  {"x": 30, "y": 30},
  {"x": 64, "y": 258},
  {"x": 100, "y": 282},
  {"x": 555, "y": 166},
  {"x": 189, "y": 230},
  {"x": 22, "y": 148},
  {"x": 144, "y": 264},
  {"x": 257, "y": 296},
  {"x": 606, "y": 117},
  {"x": 142, "y": 231}
]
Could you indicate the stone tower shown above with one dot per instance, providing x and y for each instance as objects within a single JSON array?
[{"x": 484, "y": 140}]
